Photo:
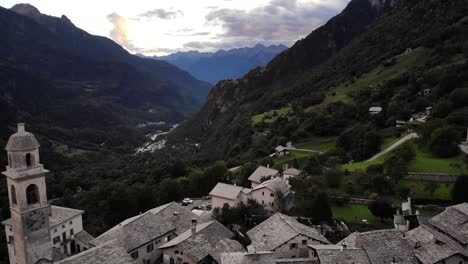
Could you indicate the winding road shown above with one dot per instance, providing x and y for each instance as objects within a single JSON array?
[{"x": 394, "y": 145}]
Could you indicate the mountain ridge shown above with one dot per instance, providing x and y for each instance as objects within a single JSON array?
[{"x": 223, "y": 64}]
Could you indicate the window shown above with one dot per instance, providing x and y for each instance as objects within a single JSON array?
[
  {"x": 304, "y": 242},
  {"x": 71, "y": 222},
  {"x": 177, "y": 252},
  {"x": 32, "y": 194},
  {"x": 272, "y": 195},
  {"x": 13, "y": 194},
  {"x": 78, "y": 248},
  {"x": 171, "y": 261},
  {"x": 168, "y": 237},
  {"x": 293, "y": 245},
  {"x": 263, "y": 202},
  {"x": 149, "y": 248},
  {"x": 134, "y": 255},
  {"x": 9, "y": 161},
  {"x": 55, "y": 230},
  {"x": 28, "y": 159},
  {"x": 56, "y": 239},
  {"x": 11, "y": 239},
  {"x": 182, "y": 253},
  {"x": 71, "y": 232},
  {"x": 263, "y": 193}
]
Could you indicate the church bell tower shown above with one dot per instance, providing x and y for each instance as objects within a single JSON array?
[{"x": 28, "y": 199}]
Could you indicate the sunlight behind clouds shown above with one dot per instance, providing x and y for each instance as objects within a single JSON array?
[{"x": 165, "y": 26}]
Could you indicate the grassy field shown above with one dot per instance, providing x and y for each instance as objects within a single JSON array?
[
  {"x": 354, "y": 213},
  {"x": 322, "y": 144},
  {"x": 300, "y": 156},
  {"x": 424, "y": 162},
  {"x": 388, "y": 142},
  {"x": 270, "y": 118},
  {"x": 420, "y": 190}
]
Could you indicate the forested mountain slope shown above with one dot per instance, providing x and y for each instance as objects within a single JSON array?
[
  {"x": 332, "y": 54},
  {"x": 84, "y": 88}
]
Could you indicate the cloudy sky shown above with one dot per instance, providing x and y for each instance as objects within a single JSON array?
[{"x": 157, "y": 27}]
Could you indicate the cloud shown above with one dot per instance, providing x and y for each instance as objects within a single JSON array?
[
  {"x": 279, "y": 21},
  {"x": 161, "y": 13},
  {"x": 119, "y": 32}
]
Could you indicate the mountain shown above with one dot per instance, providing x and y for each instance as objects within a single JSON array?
[
  {"x": 328, "y": 81},
  {"x": 223, "y": 64},
  {"x": 58, "y": 75}
]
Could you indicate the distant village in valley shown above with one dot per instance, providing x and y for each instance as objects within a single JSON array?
[{"x": 188, "y": 232}]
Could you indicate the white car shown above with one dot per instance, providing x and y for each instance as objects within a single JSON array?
[{"x": 187, "y": 201}]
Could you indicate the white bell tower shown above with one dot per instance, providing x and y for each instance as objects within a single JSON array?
[{"x": 28, "y": 199}]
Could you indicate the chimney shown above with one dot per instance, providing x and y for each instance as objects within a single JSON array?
[
  {"x": 194, "y": 227},
  {"x": 343, "y": 246},
  {"x": 20, "y": 127}
]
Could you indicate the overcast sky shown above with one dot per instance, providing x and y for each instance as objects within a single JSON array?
[{"x": 165, "y": 26}]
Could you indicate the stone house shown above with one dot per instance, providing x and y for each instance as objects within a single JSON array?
[
  {"x": 289, "y": 173},
  {"x": 202, "y": 243},
  {"x": 281, "y": 151},
  {"x": 267, "y": 194},
  {"x": 443, "y": 238},
  {"x": 261, "y": 174},
  {"x": 229, "y": 194},
  {"x": 284, "y": 236}
]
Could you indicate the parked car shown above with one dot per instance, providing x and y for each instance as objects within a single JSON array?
[{"x": 187, "y": 201}]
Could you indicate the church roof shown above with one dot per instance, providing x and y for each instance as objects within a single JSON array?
[
  {"x": 108, "y": 253},
  {"x": 22, "y": 140},
  {"x": 58, "y": 215},
  {"x": 141, "y": 229}
]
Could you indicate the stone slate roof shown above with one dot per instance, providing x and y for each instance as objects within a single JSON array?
[
  {"x": 141, "y": 229},
  {"x": 292, "y": 171},
  {"x": 382, "y": 246},
  {"x": 262, "y": 172},
  {"x": 333, "y": 254},
  {"x": 228, "y": 191},
  {"x": 248, "y": 258},
  {"x": 279, "y": 229},
  {"x": 108, "y": 253},
  {"x": 453, "y": 221},
  {"x": 275, "y": 185},
  {"x": 211, "y": 239},
  {"x": 434, "y": 246},
  {"x": 22, "y": 141},
  {"x": 58, "y": 215},
  {"x": 84, "y": 237}
]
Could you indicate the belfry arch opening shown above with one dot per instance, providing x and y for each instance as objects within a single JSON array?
[
  {"x": 13, "y": 194},
  {"x": 32, "y": 194},
  {"x": 29, "y": 159}
]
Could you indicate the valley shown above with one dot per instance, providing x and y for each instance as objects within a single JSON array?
[{"x": 360, "y": 120}]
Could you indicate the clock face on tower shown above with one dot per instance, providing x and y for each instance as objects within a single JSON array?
[{"x": 35, "y": 220}]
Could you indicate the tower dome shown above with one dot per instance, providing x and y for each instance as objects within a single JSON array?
[{"x": 22, "y": 141}]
